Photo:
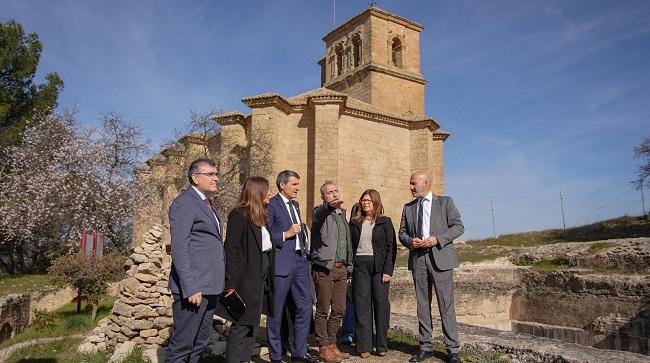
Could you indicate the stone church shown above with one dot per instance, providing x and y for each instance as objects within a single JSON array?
[{"x": 365, "y": 127}]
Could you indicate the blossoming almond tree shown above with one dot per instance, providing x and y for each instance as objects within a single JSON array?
[{"x": 65, "y": 178}]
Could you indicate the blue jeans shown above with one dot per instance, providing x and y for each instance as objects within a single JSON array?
[{"x": 348, "y": 326}]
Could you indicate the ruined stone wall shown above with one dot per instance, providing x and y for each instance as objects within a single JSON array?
[
  {"x": 14, "y": 315},
  {"x": 605, "y": 311}
]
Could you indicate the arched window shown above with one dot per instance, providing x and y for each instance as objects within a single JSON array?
[
  {"x": 397, "y": 52},
  {"x": 356, "y": 50},
  {"x": 339, "y": 59}
]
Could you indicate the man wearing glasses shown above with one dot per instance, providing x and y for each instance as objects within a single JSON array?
[{"x": 197, "y": 272}]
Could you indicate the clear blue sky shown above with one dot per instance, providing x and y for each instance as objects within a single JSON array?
[{"x": 538, "y": 95}]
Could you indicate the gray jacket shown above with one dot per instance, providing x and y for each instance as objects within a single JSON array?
[
  {"x": 445, "y": 224},
  {"x": 325, "y": 235},
  {"x": 198, "y": 263}
]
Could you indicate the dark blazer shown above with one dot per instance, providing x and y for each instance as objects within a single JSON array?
[
  {"x": 280, "y": 221},
  {"x": 384, "y": 244},
  {"x": 244, "y": 268},
  {"x": 445, "y": 224},
  {"x": 197, "y": 251}
]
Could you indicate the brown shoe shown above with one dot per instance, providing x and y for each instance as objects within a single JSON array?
[
  {"x": 342, "y": 355},
  {"x": 364, "y": 355},
  {"x": 328, "y": 354}
]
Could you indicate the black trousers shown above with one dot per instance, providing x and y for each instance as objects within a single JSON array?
[
  {"x": 370, "y": 305},
  {"x": 241, "y": 338}
]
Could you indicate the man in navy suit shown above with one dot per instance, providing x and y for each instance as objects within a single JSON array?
[
  {"x": 197, "y": 272},
  {"x": 292, "y": 269}
]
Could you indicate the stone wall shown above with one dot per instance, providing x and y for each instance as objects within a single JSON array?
[
  {"x": 14, "y": 315},
  {"x": 610, "y": 311},
  {"x": 603, "y": 311},
  {"x": 142, "y": 313}
]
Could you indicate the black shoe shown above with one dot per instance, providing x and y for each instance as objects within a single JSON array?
[
  {"x": 453, "y": 358},
  {"x": 307, "y": 358},
  {"x": 421, "y": 355}
]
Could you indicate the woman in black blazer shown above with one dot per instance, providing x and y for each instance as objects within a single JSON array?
[
  {"x": 249, "y": 267},
  {"x": 375, "y": 248}
]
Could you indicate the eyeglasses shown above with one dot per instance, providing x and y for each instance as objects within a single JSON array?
[
  {"x": 210, "y": 175},
  {"x": 366, "y": 201}
]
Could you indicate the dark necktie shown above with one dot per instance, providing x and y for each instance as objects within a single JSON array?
[
  {"x": 208, "y": 203},
  {"x": 294, "y": 220},
  {"x": 418, "y": 227}
]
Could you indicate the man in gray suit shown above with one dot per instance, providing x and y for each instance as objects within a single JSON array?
[
  {"x": 429, "y": 225},
  {"x": 197, "y": 273}
]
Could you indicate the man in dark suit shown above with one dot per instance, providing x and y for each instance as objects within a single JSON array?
[
  {"x": 292, "y": 269},
  {"x": 429, "y": 225},
  {"x": 197, "y": 272}
]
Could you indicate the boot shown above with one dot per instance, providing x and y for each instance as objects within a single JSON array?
[
  {"x": 342, "y": 355},
  {"x": 328, "y": 354}
]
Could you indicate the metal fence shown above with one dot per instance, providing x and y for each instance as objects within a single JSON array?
[{"x": 563, "y": 210}]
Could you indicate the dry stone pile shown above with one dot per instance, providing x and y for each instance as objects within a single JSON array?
[{"x": 142, "y": 313}]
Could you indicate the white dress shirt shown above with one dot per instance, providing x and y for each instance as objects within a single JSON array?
[
  {"x": 266, "y": 240},
  {"x": 288, "y": 205},
  {"x": 426, "y": 215}
]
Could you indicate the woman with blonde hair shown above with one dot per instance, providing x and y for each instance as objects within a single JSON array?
[
  {"x": 375, "y": 248},
  {"x": 249, "y": 267}
]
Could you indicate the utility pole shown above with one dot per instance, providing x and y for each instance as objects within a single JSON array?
[
  {"x": 642, "y": 197},
  {"x": 562, "y": 208},
  {"x": 494, "y": 229}
]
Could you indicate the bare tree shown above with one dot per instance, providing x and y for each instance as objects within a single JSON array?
[{"x": 642, "y": 151}]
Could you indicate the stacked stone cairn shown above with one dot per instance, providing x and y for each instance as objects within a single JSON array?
[{"x": 142, "y": 313}]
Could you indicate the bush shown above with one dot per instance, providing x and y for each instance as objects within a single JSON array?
[
  {"x": 43, "y": 319},
  {"x": 90, "y": 278},
  {"x": 524, "y": 260}
]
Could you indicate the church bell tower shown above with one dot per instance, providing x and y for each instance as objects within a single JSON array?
[{"x": 375, "y": 57}]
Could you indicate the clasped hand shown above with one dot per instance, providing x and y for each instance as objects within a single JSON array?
[
  {"x": 292, "y": 231},
  {"x": 424, "y": 243}
]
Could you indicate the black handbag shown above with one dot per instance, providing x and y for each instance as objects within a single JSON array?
[{"x": 234, "y": 304}]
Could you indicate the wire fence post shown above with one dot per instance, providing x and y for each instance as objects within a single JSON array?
[
  {"x": 642, "y": 198},
  {"x": 494, "y": 229},
  {"x": 562, "y": 209}
]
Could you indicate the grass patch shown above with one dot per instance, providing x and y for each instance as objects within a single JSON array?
[
  {"x": 553, "y": 263},
  {"x": 399, "y": 338},
  {"x": 136, "y": 356},
  {"x": 406, "y": 342},
  {"x": 65, "y": 322},
  {"x": 59, "y": 351},
  {"x": 492, "y": 356},
  {"x": 623, "y": 227},
  {"x": 597, "y": 246},
  {"x": 21, "y": 284}
]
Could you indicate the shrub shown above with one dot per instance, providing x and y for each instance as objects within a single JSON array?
[
  {"x": 89, "y": 277},
  {"x": 43, "y": 319}
]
